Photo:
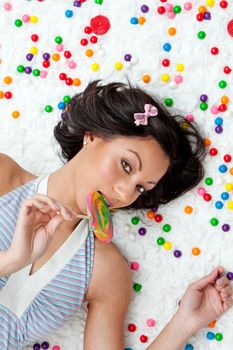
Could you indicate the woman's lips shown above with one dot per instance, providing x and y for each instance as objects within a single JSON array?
[{"x": 106, "y": 199}]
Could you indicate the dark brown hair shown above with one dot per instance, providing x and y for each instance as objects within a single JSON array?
[{"x": 107, "y": 110}]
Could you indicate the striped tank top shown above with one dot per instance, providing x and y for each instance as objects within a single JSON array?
[{"x": 32, "y": 306}]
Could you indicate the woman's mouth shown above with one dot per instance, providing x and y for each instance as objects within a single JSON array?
[{"x": 106, "y": 199}]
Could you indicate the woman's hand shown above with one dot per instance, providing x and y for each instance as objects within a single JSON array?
[
  {"x": 206, "y": 299},
  {"x": 38, "y": 219}
]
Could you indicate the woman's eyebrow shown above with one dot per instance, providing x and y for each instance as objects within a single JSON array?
[{"x": 140, "y": 164}]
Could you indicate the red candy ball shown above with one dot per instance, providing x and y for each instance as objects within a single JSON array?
[
  {"x": 161, "y": 10},
  {"x": 223, "y": 4},
  {"x": 227, "y": 70},
  {"x": 67, "y": 54},
  {"x": 87, "y": 30},
  {"x": 200, "y": 17},
  {"x": 8, "y": 95},
  {"x": 214, "y": 50},
  {"x": 46, "y": 64},
  {"x": 207, "y": 197},
  {"x": 227, "y": 158},
  {"x": 143, "y": 338},
  {"x": 222, "y": 107},
  {"x": 158, "y": 218},
  {"x": 69, "y": 81},
  {"x": 213, "y": 151},
  {"x": 166, "y": 62},
  {"x": 132, "y": 327},
  {"x": 34, "y": 37},
  {"x": 84, "y": 42},
  {"x": 62, "y": 76},
  {"x": 93, "y": 39}
]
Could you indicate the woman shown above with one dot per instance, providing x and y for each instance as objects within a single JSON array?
[{"x": 119, "y": 141}]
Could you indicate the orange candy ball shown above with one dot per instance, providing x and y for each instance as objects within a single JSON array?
[
  {"x": 172, "y": 31},
  {"x": 15, "y": 114},
  {"x": 196, "y": 251},
  {"x": 76, "y": 82},
  {"x": 7, "y": 80},
  {"x": 212, "y": 324},
  {"x": 225, "y": 100},
  {"x": 231, "y": 171},
  {"x": 188, "y": 209},
  {"x": 202, "y": 9},
  {"x": 207, "y": 142},
  {"x": 89, "y": 53},
  {"x": 141, "y": 20},
  {"x": 146, "y": 78},
  {"x": 2, "y": 94},
  {"x": 56, "y": 57},
  {"x": 150, "y": 215}
]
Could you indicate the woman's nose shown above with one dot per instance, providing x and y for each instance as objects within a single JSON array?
[{"x": 124, "y": 191}]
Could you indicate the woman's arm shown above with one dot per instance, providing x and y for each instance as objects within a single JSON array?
[
  {"x": 7, "y": 263},
  {"x": 12, "y": 175},
  {"x": 204, "y": 301},
  {"x": 109, "y": 296}
]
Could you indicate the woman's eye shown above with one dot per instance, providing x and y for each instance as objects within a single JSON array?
[
  {"x": 140, "y": 189},
  {"x": 126, "y": 166}
]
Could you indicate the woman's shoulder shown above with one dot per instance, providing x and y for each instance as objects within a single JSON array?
[
  {"x": 12, "y": 175},
  {"x": 111, "y": 273}
]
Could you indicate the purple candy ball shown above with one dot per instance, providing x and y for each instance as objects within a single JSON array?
[
  {"x": 142, "y": 231},
  {"x": 77, "y": 3},
  {"x": 207, "y": 15},
  {"x": 144, "y": 8},
  {"x": 230, "y": 276},
  {"x": 226, "y": 227},
  {"x": 128, "y": 57},
  {"x": 46, "y": 56},
  {"x": 29, "y": 56},
  {"x": 27, "y": 70},
  {"x": 45, "y": 345},
  {"x": 36, "y": 346},
  {"x": 203, "y": 98},
  {"x": 219, "y": 129},
  {"x": 177, "y": 253}
]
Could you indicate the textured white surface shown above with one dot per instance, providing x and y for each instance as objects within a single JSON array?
[{"x": 29, "y": 139}]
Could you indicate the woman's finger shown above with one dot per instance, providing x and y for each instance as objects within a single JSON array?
[
  {"x": 226, "y": 292},
  {"x": 221, "y": 283}
]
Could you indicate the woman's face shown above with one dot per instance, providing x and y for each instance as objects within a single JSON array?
[{"x": 121, "y": 169}]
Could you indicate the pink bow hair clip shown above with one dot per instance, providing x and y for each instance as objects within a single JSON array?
[{"x": 142, "y": 118}]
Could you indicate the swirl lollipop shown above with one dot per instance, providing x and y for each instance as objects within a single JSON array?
[{"x": 101, "y": 221}]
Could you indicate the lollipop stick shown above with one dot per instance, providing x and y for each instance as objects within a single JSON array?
[{"x": 83, "y": 216}]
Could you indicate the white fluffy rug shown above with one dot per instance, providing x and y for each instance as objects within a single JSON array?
[{"x": 29, "y": 139}]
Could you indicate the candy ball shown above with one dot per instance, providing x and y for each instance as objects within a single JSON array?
[{"x": 210, "y": 335}]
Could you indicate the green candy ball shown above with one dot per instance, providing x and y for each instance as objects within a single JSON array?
[
  {"x": 20, "y": 68},
  {"x": 48, "y": 109},
  {"x": 58, "y": 40},
  {"x": 160, "y": 241},
  {"x": 137, "y": 287},
  {"x": 214, "y": 222},
  {"x": 166, "y": 228},
  {"x": 177, "y": 9},
  {"x": 218, "y": 336},
  {"x": 203, "y": 106},
  {"x": 135, "y": 220},
  {"x": 222, "y": 84},
  {"x": 201, "y": 35},
  {"x": 36, "y": 72},
  {"x": 66, "y": 99},
  {"x": 168, "y": 102},
  {"x": 18, "y": 23},
  {"x": 209, "y": 181}
]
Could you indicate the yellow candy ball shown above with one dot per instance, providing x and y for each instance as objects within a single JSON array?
[
  {"x": 167, "y": 246},
  {"x": 230, "y": 205},
  {"x": 33, "y": 19},
  {"x": 229, "y": 186},
  {"x": 95, "y": 67},
  {"x": 165, "y": 77},
  {"x": 180, "y": 67},
  {"x": 33, "y": 50},
  {"x": 210, "y": 3},
  {"x": 118, "y": 65}
]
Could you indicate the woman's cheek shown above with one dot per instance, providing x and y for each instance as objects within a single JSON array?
[{"x": 109, "y": 170}]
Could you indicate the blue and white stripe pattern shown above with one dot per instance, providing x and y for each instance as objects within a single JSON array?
[{"x": 58, "y": 300}]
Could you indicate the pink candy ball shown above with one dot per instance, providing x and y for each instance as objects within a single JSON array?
[
  {"x": 171, "y": 15},
  {"x": 189, "y": 117},
  {"x": 26, "y": 18},
  {"x": 168, "y": 7},
  {"x": 7, "y": 6},
  {"x": 59, "y": 47},
  {"x": 178, "y": 79},
  {"x": 43, "y": 74},
  {"x": 214, "y": 110},
  {"x": 201, "y": 191},
  {"x": 56, "y": 347},
  {"x": 150, "y": 322},
  {"x": 134, "y": 265},
  {"x": 72, "y": 64},
  {"x": 187, "y": 6}
]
